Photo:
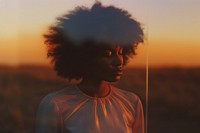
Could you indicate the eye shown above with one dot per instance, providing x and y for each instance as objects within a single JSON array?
[
  {"x": 108, "y": 53},
  {"x": 120, "y": 52}
]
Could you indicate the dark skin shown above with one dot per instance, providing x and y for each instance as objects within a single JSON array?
[{"x": 107, "y": 68}]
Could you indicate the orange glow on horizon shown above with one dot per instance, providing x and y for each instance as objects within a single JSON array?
[
  {"x": 30, "y": 49},
  {"x": 173, "y": 53}
]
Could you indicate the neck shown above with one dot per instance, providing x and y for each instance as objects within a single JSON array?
[{"x": 94, "y": 88}]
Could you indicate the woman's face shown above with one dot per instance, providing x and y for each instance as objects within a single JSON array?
[{"x": 109, "y": 64}]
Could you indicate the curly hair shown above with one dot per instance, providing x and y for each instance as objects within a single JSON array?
[{"x": 75, "y": 41}]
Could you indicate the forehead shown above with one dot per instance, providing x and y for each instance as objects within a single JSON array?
[{"x": 111, "y": 46}]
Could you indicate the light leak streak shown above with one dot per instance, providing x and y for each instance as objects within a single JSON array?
[
  {"x": 147, "y": 88},
  {"x": 147, "y": 69}
]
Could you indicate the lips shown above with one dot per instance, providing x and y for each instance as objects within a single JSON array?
[{"x": 117, "y": 72}]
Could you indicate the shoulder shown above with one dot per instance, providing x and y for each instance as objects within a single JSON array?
[{"x": 60, "y": 95}]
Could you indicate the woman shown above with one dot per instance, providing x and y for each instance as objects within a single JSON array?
[{"x": 93, "y": 45}]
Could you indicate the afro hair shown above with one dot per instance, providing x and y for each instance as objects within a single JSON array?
[{"x": 74, "y": 40}]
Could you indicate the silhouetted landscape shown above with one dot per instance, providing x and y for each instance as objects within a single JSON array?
[{"x": 174, "y": 96}]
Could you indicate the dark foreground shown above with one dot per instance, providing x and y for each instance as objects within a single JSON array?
[{"x": 174, "y": 97}]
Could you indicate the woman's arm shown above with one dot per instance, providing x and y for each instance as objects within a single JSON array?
[{"x": 49, "y": 119}]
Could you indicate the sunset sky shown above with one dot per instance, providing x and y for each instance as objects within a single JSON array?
[{"x": 172, "y": 29}]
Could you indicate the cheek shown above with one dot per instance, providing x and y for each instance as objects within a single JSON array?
[{"x": 104, "y": 64}]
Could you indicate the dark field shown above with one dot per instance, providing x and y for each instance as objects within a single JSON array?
[{"x": 174, "y": 97}]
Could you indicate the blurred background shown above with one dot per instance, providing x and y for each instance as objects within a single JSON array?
[{"x": 172, "y": 44}]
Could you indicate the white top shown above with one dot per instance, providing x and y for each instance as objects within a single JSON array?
[{"x": 72, "y": 111}]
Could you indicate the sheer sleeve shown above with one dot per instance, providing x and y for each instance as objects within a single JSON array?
[
  {"x": 49, "y": 119},
  {"x": 138, "y": 126}
]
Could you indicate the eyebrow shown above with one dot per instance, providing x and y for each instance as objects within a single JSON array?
[{"x": 112, "y": 47}]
